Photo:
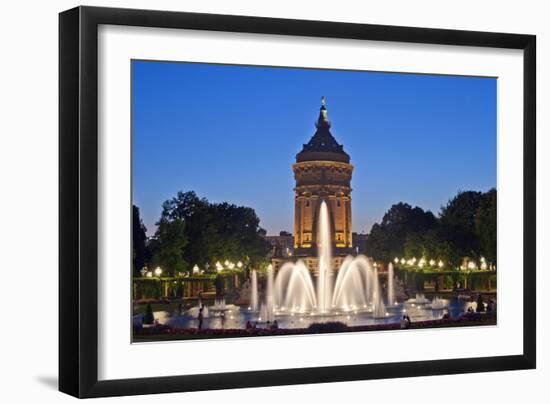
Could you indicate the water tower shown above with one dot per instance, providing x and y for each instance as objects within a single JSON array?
[{"x": 323, "y": 173}]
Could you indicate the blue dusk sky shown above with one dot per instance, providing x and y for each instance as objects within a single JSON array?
[{"x": 231, "y": 133}]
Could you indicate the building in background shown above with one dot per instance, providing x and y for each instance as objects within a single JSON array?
[
  {"x": 282, "y": 248},
  {"x": 359, "y": 241}
]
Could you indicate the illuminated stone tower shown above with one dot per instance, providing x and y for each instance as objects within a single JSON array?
[{"x": 323, "y": 173}]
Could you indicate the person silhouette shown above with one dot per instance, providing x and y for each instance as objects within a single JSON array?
[{"x": 200, "y": 317}]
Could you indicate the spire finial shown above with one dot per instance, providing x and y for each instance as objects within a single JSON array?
[{"x": 323, "y": 121}]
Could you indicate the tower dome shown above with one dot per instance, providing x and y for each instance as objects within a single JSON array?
[{"x": 322, "y": 145}]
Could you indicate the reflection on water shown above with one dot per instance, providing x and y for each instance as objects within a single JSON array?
[{"x": 237, "y": 317}]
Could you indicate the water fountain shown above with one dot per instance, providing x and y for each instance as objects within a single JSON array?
[
  {"x": 269, "y": 304},
  {"x": 267, "y": 312},
  {"x": 379, "y": 308},
  {"x": 254, "y": 293},
  {"x": 293, "y": 288},
  {"x": 356, "y": 287},
  {"x": 438, "y": 303},
  {"x": 391, "y": 287},
  {"x": 194, "y": 311},
  {"x": 219, "y": 304},
  {"x": 419, "y": 298},
  {"x": 297, "y": 298}
]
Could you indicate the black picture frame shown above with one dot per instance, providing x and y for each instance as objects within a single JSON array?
[{"x": 78, "y": 201}]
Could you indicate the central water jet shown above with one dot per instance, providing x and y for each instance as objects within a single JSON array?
[{"x": 324, "y": 279}]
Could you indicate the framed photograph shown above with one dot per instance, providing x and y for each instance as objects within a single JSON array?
[{"x": 251, "y": 201}]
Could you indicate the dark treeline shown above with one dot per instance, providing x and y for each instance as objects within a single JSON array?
[
  {"x": 465, "y": 227},
  {"x": 192, "y": 231}
]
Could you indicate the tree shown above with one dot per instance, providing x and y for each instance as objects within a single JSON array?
[
  {"x": 238, "y": 234},
  {"x": 414, "y": 245},
  {"x": 199, "y": 229},
  {"x": 387, "y": 239},
  {"x": 169, "y": 245},
  {"x": 216, "y": 231},
  {"x": 140, "y": 251},
  {"x": 466, "y": 227},
  {"x": 458, "y": 227},
  {"x": 486, "y": 225},
  {"x": 183, "y": 206}
]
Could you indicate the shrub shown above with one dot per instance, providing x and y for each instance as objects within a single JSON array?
[{"x": 333, "y": 326}]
